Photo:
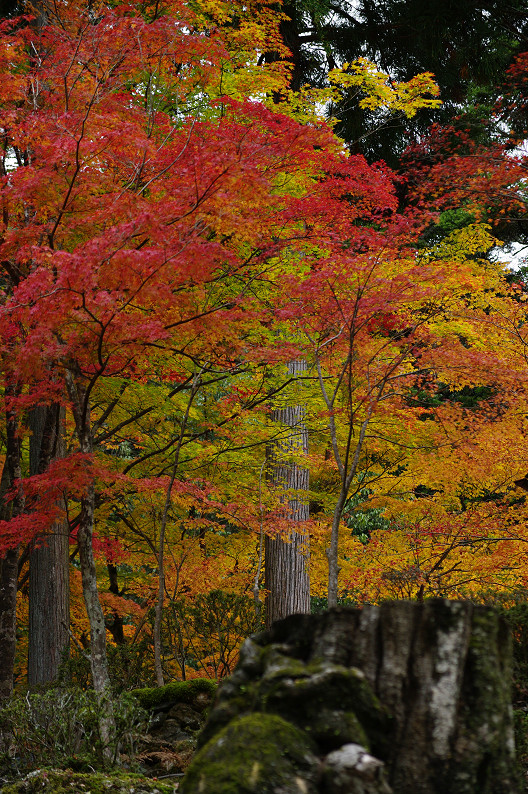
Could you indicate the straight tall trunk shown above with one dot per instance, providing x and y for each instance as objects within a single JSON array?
[
  {"x": 49, "y": 589},
  {"x": 8, "y": 592},
  {"x": 11, "y": 472},
  {"x": 286, "y": 572}
]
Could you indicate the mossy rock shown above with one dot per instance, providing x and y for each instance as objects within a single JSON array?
[
  {"x": 59, "y": 781},
  {"x": 152, "y": 698},
  {"x": 255, "y": 754},
  {"x": 333, "y": 703},
  {"x": 222, "y": 714}
]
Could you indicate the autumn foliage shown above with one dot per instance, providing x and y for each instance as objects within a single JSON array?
[{"x": 176, "y": 227}]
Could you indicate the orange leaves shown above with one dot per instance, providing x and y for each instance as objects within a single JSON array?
[
  {"x": 170, "y": 239},
  {"x": 458, "y": 556}
]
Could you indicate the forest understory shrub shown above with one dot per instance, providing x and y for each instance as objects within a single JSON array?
[
  {"x": 60, "y": 728},
  {"x": 130, "y": 665}
]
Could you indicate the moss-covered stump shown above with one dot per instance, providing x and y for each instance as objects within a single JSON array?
[
  {"x": 58, "y": 781},
  {"x": 398, "y": 698}
]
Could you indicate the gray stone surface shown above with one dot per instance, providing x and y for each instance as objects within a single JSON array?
[{"x": 353, "y": 770}]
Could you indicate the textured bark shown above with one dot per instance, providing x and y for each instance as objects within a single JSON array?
[
  {"x": 99, "y": 664},
  {"x": 394, "y": 699},
  {"x": 49, "y": 587},
  {"x": 287, "y": 579},
  {"x": 11, "y": 472},
  {"x": 8, "y": 591},
  {"x": 443, "y": 671},
  {"x": 332, "y": 550}
]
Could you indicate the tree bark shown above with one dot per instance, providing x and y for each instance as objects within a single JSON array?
[
  {"x": 116, "y": 626},
  {"x": 333, "y": 549},
  {"x": 98, "y": 658},
  {"x": 287, "y": 580},
  {"x": 8, "y": 592},
  {"x": 49, "y": 586},
  {"x": 11, "y": 472}
]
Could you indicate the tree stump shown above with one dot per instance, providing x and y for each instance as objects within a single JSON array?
[{"x": 399, "y": 698}]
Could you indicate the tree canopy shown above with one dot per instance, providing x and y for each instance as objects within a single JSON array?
[{"x": 181, "y": 221}]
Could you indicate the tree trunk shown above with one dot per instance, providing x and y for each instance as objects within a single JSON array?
[
  {"x": 289, "y": 31},
  {"x": 158, "y": 614},
  {"x": 332, "y": 551},
  {"x": 287, "y": 578},
  {"x": 116, "y": 626},
  {"x": 8, "y": 592},
  {"x": 98, "y": 658},
  {"x": 11, "y": 472},
  {"x": 49, "y": 586}
]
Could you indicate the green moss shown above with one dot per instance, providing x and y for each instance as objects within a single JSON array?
[
  {"x": 279, "y": 666},
  {"x": 58, "y": 781},
  {"x": 333, "y": 728},
  {"x": 255, "y": 754},
  {"x": 227, "y": 710},
  {"x": 334, "y": 703},
  {"x": 178, "y": 692}
]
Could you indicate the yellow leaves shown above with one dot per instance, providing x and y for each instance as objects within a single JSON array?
[
  {"x": 431, "y": 555},
  {"x": 218, "y": 10},
  {"x": 13, "y": 65},
  {"x": 308, "y": 105},
  {"x": 383, "y": 93},
  {"x": 244, "y": 73},
  {"x": 473, "y": 240}
]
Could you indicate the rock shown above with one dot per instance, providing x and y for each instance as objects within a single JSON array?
[
  {"x": 186, "y": 716},
  {"x": 352, "y": 770},
  {"x": 178, "y": 713},
  {"x": 326, "y": 700},
  {"x": 255, "y": 754}
]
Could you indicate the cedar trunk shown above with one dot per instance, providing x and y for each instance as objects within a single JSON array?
[
  {"x": 287, "y": 579},
  {"x": 401, "y": 698},
  {"x": 49, "y": 587},
  {"x": 8, "y": 592},
  {"x": 9, "y": 508}
]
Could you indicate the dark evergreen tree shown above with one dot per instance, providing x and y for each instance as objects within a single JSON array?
[{"x": 467, "y": 44}]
